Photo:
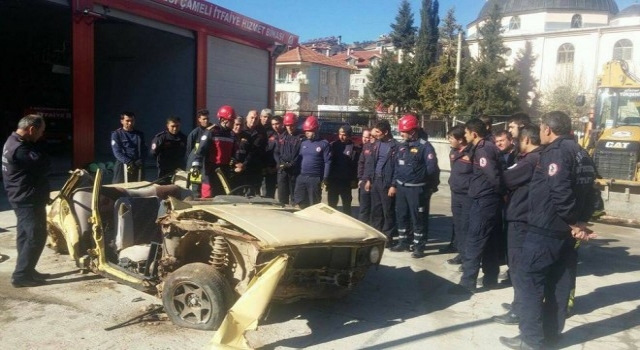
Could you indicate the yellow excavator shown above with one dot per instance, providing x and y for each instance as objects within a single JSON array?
[{"x": 614, "y": 140}]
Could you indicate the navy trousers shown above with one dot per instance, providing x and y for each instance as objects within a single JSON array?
[
  {"x": 383, "y": 209},
  {"x": 340, "y": 189},
  {"x": 460, "y": 207},
  {"x": 516, "y": 231},
  {"x": 412, "y": 212},
  {"x": 307, "y": 191},
  {"x": 286, "y": 186},
  {"x": 485, "y": 226},
  {"x": 546, "y": 267},
  {"x": 364, "y": 198},
  {"x": 31, "y": 237}
]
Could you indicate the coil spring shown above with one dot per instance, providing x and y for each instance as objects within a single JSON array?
[{"x": 220, "y": 254}]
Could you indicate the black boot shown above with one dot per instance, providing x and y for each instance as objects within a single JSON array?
[
  {"x": 509, "y": 318},
  {"x": 516, "y": 343},
  {"x": 400, "y": 247}
]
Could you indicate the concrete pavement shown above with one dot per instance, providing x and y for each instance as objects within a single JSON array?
[{"x": 404, "y": 304}]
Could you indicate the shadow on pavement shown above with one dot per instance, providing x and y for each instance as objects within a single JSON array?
[
  {"x": 594, "y": 330},
  {"x": 618, "y": 260},
  {"x": 385, "y": 298}
]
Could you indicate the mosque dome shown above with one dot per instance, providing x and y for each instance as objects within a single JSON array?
[
  {"x": 631, "y": 11},
  {"x": 515, "y": 7}
]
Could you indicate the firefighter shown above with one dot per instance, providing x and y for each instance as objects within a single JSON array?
[
  {"x": 415, "y": 175},
  {"x": 129, "y": 149},
  {"x": 241, "y": 148},
  {"x": 343, "y": 177},
  {"x": 25, "y": 171},
  {"x": 255, "y": 160},
  {"x": 516, "y": 180},
  {"x": 459, "y": 179},
  {"x": 364, "y": 197},
  {"x": 287, "y": 159},
  {"x": 215, "y": 152},
  {"x": 561, "y": 198},
  {"x": 379, "y": 175},
  {"x": 193, "y": 142},
  {"x": 168, "y": 147},
  {"x": 269, "y": 173},
  {"x": 485, "y": 215},
  {"x": 315, "y": 162}
]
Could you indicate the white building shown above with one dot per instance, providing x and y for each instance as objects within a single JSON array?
[
  {"x": 306, "y": 79},
  {"x": 569, "y": 40}
]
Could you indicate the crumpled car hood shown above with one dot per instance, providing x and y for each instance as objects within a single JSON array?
[{"x": 316, "y": 224}]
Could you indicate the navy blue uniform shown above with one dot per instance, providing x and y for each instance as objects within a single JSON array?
[
  {"x": 517, "y": 178},
  {"x": 343, "y": 175},
  {"x": 130, "y": 149},
  {"x": 169, "y": 151},
  {"x": 364, "y": 196},
  {"x": 415, "y": 177},
  {"x": 241, "y": 150},
  {"x": 485, "y": 216},
  {"x": 315, "y": 162},
  {"x": 269, "y": 173},
  {"x": 561, "y": 193},
  {"x": 380, "y": 173},
  {"x": 255, "y": 162},
  {"x": 286, "y": 154},
  {"x": 25, "y": 171},
  {"x": 459, "y": 179}
]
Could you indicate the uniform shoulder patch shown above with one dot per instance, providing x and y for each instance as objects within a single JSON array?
[
  {"x": 483, "y": 162},
  {"x": 430, "y": 156},
  {"x": 553, "y": 169},
  {"x": 113, "y": 142},
  {"x": 204, "y": 137},
  {"x": 318, "y": 149},
  {"x": 153, "y": 146}
]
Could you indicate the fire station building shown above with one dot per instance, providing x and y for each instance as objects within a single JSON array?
[{"x": 81, "y": 63}]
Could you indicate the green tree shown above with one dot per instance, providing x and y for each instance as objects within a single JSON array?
[
  {"x": 438, "y": 87},
  {"x": 403, "y": 35},
  {"x": 427, "y": 42},
  {"x": 392, "y": 84},
  {"x": 528, "y": 87},
  {"x": 489, "y": 86}
]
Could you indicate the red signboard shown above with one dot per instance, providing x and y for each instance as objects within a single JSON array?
[{"x": 229, "y": 18}]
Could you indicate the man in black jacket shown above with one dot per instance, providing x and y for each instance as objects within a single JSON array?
[
  {"x": 561, "y": 198},
  {"x": 25, "y": 171}
]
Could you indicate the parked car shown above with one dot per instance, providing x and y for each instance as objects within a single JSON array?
[
  {"x": 329, "y": 130},
  {"x": 199, "y": 255}
]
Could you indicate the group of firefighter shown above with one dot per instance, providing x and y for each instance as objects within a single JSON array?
[{"x": 545, "y": 175}]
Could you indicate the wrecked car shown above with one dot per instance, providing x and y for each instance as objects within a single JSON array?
[{"x": 198, "y": 255}]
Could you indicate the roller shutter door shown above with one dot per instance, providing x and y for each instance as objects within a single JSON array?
[{"x": 237, "y": 75}]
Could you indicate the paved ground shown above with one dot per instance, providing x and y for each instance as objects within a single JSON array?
[{"x": 402, "y": 305}]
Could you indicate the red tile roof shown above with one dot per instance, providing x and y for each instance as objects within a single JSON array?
[
  {"x": 303, "y": 54},
  {"x": 363, "y": 58}
]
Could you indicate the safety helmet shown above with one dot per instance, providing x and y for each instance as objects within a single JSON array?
[
  {"x": 310, "y": 124},
  {"x": 407, "y": 123},
  {"x": 289, "y": 119},
  {"x": 226, "y": 112}
]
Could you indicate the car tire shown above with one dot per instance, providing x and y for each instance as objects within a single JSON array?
[{"x": 196, "y": 296}]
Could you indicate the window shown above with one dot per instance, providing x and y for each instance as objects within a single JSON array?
[
  {"x": 576, "y": 21},
  {"x": 514, "y": 23},
  {"x": 565, "y": 54},
  {"x": 333, "y": 78},
  {"x": 282, "y": 75},
  {"x": 294, "y": 73},
  {"x": 623, "y": 50},
  {"x": 323, "y": 76}
]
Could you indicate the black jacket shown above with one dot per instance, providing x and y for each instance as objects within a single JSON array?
[
  {"x": 487, "y": 170},
  {"x": 561, "y": 190},
  {"x": 461, "y": 170},
  {"x": 517, "y": 179},
  {"x": 25, "y": 172},
  {"x": 387, "y": 167}
]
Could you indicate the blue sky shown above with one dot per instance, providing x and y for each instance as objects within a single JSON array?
[{"x": 354, "y": 20}]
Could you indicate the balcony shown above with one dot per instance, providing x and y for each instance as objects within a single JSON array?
[{"x": 295, "y": 85}]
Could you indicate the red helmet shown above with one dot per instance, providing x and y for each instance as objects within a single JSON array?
[
  {"x": 310, "y": 124},
  {"x": 227, "y": 113},
  {"x": 407, "y": 123},
  {"x": 289, "y": 119}
]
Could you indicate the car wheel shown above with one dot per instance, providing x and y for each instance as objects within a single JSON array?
[{"x": 196, "y": 296}]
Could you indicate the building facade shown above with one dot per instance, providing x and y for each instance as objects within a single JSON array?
[{"x": 569, "y": 41}]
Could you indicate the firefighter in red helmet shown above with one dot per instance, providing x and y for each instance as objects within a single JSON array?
[
  {"x": 216, "y": 151},
  {"x": 315, "y": 162},
  {"x": 415, "y": 178}
]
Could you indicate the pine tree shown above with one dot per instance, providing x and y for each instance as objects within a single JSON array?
[
  {"x": 488, "y": 86},
  {"x": 438, "y": 88},
  {"x": 403, "y": 35},
  {"x": 427, "y": 43}
]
